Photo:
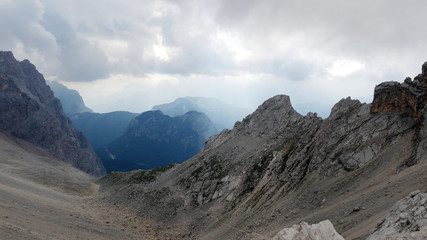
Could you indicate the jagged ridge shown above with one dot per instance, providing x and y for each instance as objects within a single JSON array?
[{"x": 278, "y": 167}]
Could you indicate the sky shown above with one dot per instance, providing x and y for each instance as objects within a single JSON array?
[{"x": 133, "y": 54}]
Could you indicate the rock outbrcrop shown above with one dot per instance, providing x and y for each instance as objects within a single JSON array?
[
  {"x": 29, "y": 110},
  {"x": 407, "y": 219},
  {"x": 321, "y": 231},
  {"x": 408, "y": 97}
]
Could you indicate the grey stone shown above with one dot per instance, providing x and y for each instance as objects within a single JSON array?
[
  {"x": 29, "y": 110},
  {"x": 321, "y": 231},
  {"x": 405, "y": 220}
]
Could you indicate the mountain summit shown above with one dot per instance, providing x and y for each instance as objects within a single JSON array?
[{"x": 30, "y": 111}]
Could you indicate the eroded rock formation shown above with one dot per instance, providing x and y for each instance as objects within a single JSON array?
[{"x": 408, "y": 97}]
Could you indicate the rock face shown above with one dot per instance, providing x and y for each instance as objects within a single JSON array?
[
  {"x": 153, "y": 140},
  {"x": 102, "y": 128},
  {"x": 407, "y": 219},
  {"x": 408, "y": 97},
  {"x": 277, "y": 148},
  {"x": 72, "y": 102},
  {"x": 320, "y": 231},
  {"x": 30, "y": 111}
]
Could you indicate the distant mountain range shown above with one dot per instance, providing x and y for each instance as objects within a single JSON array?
[
  {"x": 153, "y": 139},
  {"x": 171, "y": 133},
  {"x": 72, "y": 102},
  {"x": 223, "y": 115},
  {"x": 102, "y": 128}
]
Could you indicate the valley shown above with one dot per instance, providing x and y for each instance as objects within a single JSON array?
[{"x": 43, "y": 198}]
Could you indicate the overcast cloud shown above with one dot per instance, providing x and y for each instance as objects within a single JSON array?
[{"x": 132, "y": 54}]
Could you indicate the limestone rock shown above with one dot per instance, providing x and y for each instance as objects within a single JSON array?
[
  {"x": 321, "y": 231},
  {"x": 275, "y": 112},
  {"x": 407, "y": 219},
  {"x": 29, "y": 110}
]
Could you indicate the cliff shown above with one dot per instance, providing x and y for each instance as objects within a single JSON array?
[
  {"x": 408, "y": 97},
  {"x": 30, "y": 111}
]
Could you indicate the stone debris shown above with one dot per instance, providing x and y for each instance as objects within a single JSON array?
[{"x": 407, "y": 219}]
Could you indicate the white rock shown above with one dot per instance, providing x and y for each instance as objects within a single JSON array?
[{"x": 320, "y": 231}]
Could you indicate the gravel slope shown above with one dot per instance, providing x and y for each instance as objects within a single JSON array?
[{"x": 44, "y": 198}]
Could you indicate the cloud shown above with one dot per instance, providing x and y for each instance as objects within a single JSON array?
[
  {"x": 344, "y": 68},
  {"x": 291, "y": 47},
  {"x": 23, "y": 34}
]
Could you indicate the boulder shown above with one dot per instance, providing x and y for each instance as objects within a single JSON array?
[{"x": 321, "y": 231}]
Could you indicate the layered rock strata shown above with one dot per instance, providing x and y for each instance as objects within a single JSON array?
[{"x": 408, "y": 97}]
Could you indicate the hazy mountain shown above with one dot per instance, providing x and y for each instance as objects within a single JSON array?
[
  {"x": 223, "y": 115},
  {"x": 102, "y": 128},
  {"x": 277, "y": 168},
  {"x": 153, "y": 139},
  {"x": 30, "y": 111},
  {"x": 71, "y": 100}
]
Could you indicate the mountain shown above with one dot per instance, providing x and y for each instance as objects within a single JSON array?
[
  {"x": 72, "y": 102},
  {"x": 30, "y": 111},
  {"x": 102, "y": 128},
  {"x": 277, "y": 168},
  {"x": 221, "y": 114},
  {"x": 153, "y": 139}
]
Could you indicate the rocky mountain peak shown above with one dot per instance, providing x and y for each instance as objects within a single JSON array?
[
  {"x": 276, "y": 111},
  {"x": 424, "y": 69},
  {"x": 344, "y": 106},
  {"x": 6, "y": 57},
  {"x": 30, "y": 111}
]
